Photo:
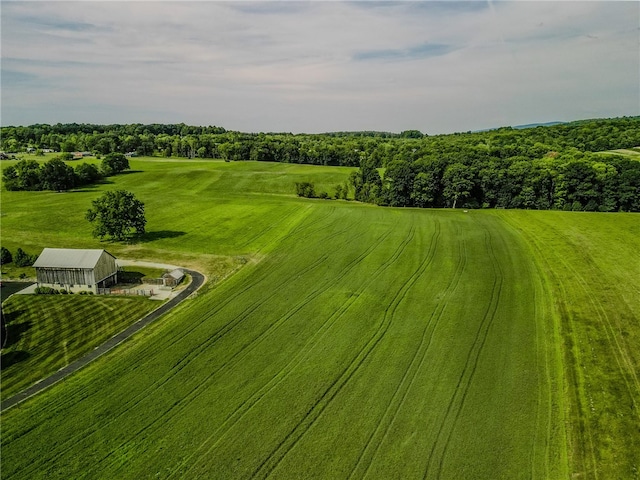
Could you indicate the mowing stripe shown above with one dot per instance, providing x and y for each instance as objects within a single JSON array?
[{"x": 198, "y": 280}]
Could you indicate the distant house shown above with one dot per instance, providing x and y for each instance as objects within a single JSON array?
[
  {"x": 76, "y": 270},
  {"x": 78, "y": 156},
  {"x": 173, "y": 278}
]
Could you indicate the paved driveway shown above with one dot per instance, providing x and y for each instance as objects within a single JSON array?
[{"x": 197, "y": 279}]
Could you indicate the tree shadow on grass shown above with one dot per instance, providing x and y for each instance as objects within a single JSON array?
[
  {"x": 157, "y": 235},
  {"x": 11, "y": 358},
  {"x": 145, "y": 238},
  {"x": 12, "y": 332},
  {"x": 127, "y": 277},
  {"x": 91, "y": 187},
  {"x": 83, "y": 190}
]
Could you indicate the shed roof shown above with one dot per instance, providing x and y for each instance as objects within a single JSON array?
[
  {"x": 177, "y": 274},
  {"x": 69, "y": 258}
]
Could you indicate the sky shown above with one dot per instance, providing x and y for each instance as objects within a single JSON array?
[{"x": 319, "y": 66}]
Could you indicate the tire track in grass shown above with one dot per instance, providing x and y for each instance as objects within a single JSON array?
[
  {"x": 333, "y": 232},
  {"x": 464, "y": 382},
  {"x": 184, "y": 402},
  {"x": 313, "y": 227},
  {"x": 83, "y": 435},
  {"x": 302, "y": 354},
  {"x": 578, "y": 393},
  {"x": 544, "y": 402},
  {"x": 267, "y": 229},
  {"x": 628, "y": 374},
  {"x": 572, "y": 371},
  {"x": 211, "y": 341},
  {"x": 93, "y": 429},
  {"x": 225, "y": 329},
  {"x": 319, "y": 225},
  {"x": 539, "y": 401},
  {"x": 282, "y": 449},
  {"x": 612, "y": 338},
  {"x": 249, "y": 284},
  {"x": 141, "y": 396},
  {"x": 380, "y": 433},
  {"x": 619, "y": 353}
]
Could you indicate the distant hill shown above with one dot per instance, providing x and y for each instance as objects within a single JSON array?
[
  {"x": 533, "y": 125},
  {"x": 521, "y": 127}
]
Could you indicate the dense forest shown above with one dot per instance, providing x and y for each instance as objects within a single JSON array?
[{"x": 542, "y": 167}]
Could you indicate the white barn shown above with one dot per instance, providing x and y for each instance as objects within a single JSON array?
[{"x": 76, "y": 270}]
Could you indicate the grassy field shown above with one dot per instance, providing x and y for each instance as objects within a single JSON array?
[
  {"x": 629, "y": 152},
  {"x": 45, "y": 332},
  {"x": 356, "y": 341},
  {"x": 592, "y": 263}
]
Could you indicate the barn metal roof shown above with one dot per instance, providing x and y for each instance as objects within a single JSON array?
[
  {"x": 176, "y": 274},
  {"x": 69, "y": 258}
]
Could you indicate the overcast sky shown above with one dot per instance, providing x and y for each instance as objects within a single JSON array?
[{"x": 319, "y": 66}]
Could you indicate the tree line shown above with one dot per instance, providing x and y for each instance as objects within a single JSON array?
[
  {"x": 337, "y": 148},
  {"x": 20, "y": 259},
  {"x": 57, "y": 175},
  {"x": 546, "y": 167},
  {"x": 572, "y": 180}
]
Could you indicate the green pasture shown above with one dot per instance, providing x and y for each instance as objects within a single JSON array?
[
  {"x": 200, "y": 213},
  {"x": 592, "y": 265},
  {"x": 355, "y": 341},
  {"x": 46, "y": 332}
]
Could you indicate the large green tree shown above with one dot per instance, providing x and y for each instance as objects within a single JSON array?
[
  {"x": 117, "y": 214},
  {"x": 87, "y": 173},
  {"x": 24, "y": 175},
  {"x": 115, "y": 163},
  {"x": 458, "y": 182},
  {"x": 398, "y": 183},
  {"x": 57, "y": 175}
]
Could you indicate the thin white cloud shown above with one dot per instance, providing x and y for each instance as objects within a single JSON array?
[{"x": 319, "y": 66}]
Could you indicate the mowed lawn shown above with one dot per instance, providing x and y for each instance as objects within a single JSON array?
[
  {"x": 360, "y": 342},
  {"x": 46, "y": 332}
]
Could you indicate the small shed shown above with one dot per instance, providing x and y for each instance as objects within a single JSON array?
[
  {"x": 75, "y": 269},
  {"x": 173, "y": 278}
]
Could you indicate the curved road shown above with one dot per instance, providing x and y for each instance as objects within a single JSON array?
[{"x": 197, "y": 279}]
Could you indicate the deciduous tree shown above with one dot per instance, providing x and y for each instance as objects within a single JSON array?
[
  {"x": 458, "y": 182},
  {"x": 57, "y": 175},
  {"x": 5, "y": 256},
  {"x": 114, "y": 163},
  {"x": 117, "y": 214}
]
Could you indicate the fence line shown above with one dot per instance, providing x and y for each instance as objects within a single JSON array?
[{"x": 125, "y": 291}]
